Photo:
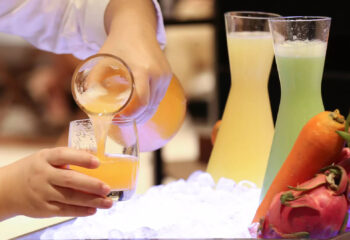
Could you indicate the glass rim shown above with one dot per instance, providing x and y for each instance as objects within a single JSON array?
[
  {"x": 300, "y": 19},
  {"x": 115, "y": 120},
  {"x": 255, "y": 15},
  {"x": 77, "y": 70}
]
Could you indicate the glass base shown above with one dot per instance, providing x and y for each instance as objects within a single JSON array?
[{"x": 121, "y": 195}]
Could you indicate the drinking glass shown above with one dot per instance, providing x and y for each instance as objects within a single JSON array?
[
  {"x": 300, "y": 45},
  {"x": 119, "y": 163},
  {"x": 244, "y": 139}
]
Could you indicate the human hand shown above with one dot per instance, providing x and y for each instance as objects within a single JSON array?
[
  {"x": 151, "y": 73},
  {"x": 40, "y": 186},
  {"x": 131, "y": 28}
]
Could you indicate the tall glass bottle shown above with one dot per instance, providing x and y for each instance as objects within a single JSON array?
[
  {"x": 300, "y": 45},
  {"x": 244, "y": 139}
]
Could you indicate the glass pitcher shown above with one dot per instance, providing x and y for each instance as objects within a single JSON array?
[{"x": 114, "y": 94}]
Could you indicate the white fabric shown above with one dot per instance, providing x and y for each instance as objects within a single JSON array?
[{"x": 62, "y": 26}]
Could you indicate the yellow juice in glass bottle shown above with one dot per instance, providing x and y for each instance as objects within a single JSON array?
[{"x": 244, "y": 139}]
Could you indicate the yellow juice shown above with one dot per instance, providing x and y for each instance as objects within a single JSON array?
[
  {"x": 244, "y": 139},
  {"x": 118, "y": 171}
]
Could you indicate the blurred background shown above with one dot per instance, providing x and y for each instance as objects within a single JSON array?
[{"x": 36, "y": 103}]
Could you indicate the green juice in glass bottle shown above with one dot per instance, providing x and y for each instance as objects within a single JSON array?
[{"x": 300, "y": 68}]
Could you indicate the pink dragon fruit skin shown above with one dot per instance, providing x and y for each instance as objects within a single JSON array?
[
  {"x": 344, "y": 161},
  {"x": 344, "y": 155},
  {"x": 315, "y": 209}
]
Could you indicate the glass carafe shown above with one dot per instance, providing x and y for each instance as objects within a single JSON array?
[
  {"x": 244, "y": 139},
  {"x": 300, "y": 45},
  {"x": 103, "y": 84}
]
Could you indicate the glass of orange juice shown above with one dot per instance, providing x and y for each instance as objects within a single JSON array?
[{"x": 118, "y": 155}]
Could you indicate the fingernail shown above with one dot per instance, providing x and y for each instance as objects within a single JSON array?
[
  {"x": 106, "y": 189},
  {"x": 95, "y": 161},
  {"x": 107, "y": 203},
  {"x": 91, "y": 210}
]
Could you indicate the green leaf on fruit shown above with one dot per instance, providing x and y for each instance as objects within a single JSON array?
[{"x": 345, "y": 136}]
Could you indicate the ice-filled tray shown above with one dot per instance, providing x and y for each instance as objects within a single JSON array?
[{"x": 193, "y": 208}]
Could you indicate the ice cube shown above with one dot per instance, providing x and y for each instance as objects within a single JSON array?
[
  {"x": 201, "y": 178},
  {"x": 143, "y": 233},
  {"x": 226, "y": 184},
  {"x": 115, "y": 234}
]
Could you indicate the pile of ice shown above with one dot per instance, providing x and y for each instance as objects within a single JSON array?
[{"x": 192, "y": 208}]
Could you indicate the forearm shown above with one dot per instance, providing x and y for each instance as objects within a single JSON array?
[
  {"x": 130, "y": 16},
  {"x": 129, "y": 21}
]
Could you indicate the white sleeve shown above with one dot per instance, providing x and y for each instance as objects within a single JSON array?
[{"x": 62, "y": 26}]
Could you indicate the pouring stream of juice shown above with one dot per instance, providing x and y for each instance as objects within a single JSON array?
[
  {"x": 105, "y": 94},
  {"x": 100, "y": 100}
]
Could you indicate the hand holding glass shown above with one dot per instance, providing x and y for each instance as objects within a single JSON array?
[{"x": 119, "y": 162}]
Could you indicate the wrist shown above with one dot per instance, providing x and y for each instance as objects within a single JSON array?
[
  {"x": 6, "y": 205},
  {"x": 130, "y": 16},
  {"x": 120, "y": 44}
]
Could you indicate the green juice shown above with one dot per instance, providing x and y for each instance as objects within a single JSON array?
[{"x": 300, "y": 68}]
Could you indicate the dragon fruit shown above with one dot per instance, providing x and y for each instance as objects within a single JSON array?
[
  {"x": 315, "y": 209},
  {"x": 344, "y": 161}
]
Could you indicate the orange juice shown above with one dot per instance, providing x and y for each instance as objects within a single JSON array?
[
  {"x": 164, "y": 124},
  {"x": 119, "y": 161},
  {"x": 103, "y": 87},
  {"x": 118, "y": 171}
]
